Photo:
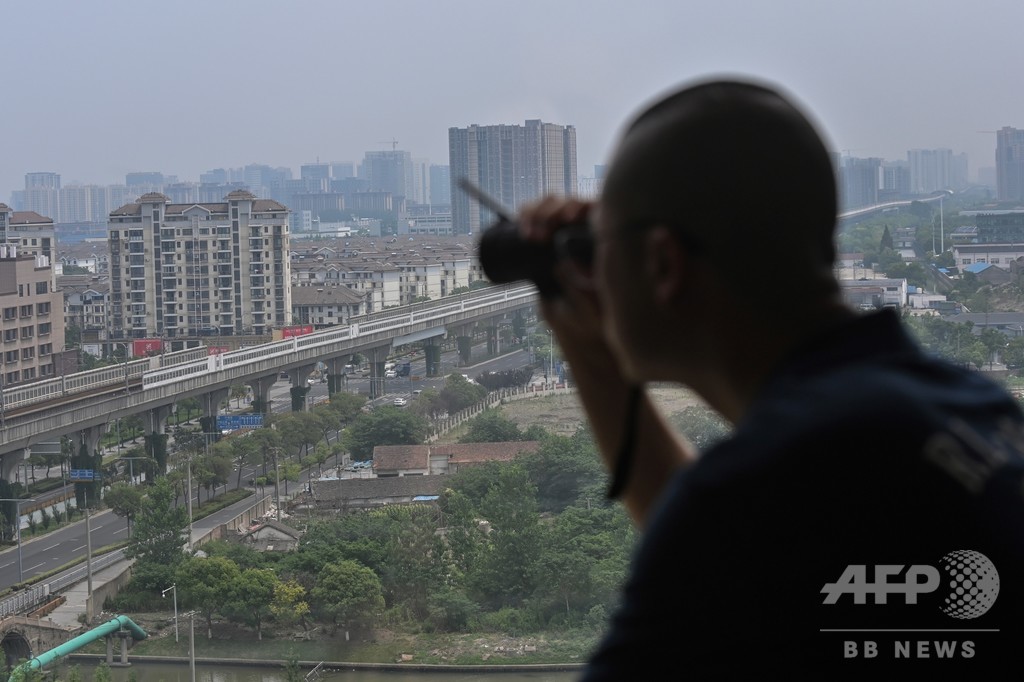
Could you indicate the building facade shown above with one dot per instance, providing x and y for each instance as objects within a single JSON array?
[
  {"x": 1010, "y": 164},
  {"x": 33, "y": 316},
  {"x": 513, "y": 164},
  {"x": 199, "y": 269}
]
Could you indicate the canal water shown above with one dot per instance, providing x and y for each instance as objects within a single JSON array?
[{"x": 167, "y": 672}]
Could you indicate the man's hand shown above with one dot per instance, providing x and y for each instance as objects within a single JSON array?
[
  {"x": 576, "y": 317},
  {"x": 574, "y": 314}
]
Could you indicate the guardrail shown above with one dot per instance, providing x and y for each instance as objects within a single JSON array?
[{"x": 37, "y": 595}]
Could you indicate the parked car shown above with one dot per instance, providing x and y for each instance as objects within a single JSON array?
[{"x": 400, "y": 402}]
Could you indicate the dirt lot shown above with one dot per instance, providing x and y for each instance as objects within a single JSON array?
[{"x": 563, "y": 414}]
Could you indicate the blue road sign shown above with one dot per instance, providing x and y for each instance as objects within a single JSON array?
[
  {"x": 230, "y": 422},
  {"x": 82, "y": 474}
]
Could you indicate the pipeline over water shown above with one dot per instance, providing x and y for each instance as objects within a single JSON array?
[{"x": 111, "y": 626}]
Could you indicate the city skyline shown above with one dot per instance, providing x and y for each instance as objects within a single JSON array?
[{"x": 93, "y": 96}]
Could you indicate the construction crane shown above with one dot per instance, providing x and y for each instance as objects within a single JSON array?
[{"x": 393, "y": 142}]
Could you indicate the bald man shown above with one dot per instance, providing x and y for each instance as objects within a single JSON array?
[{"x": 821, "y": 538}]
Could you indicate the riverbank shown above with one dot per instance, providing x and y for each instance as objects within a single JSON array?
[
  {"x": 334, "y": 666},
  {"x": 381, "y": 647}
]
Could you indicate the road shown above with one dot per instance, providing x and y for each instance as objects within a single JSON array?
[{"x": 49, "y": 551}]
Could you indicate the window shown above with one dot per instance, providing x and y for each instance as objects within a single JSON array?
[
  {"x": 45, "y": 349},
  {"x": 28, "y": 332},
  {"x": 29, "y": 373},
  {"x": 10, "y": 335},
  {"x": 44, "y": 328},
  {"x": 28, "y": 353},
  {"x": 42, "y": 309},
  {"x": 13, "y": 377},
  {"x": 26, "y": 311},
  {"x": 41, "y": 287},
  {"x": 10, "y": 313},
  {"x": 11, "y": 356}
]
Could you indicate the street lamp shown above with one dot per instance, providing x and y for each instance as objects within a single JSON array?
[
  {"x": 64, "y": 364},
  {"x": 131, "y": 467},
  {"x": 173, "y": 589},
  {"x": 125, "y": 346},
  {"x": 551, "y": 355},
  {"x": 17, "y": 525}
]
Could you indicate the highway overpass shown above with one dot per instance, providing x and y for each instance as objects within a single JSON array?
[{"x": 85, "y": 403}]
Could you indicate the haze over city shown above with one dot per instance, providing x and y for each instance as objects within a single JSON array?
[{"x": 97, "y": 90}]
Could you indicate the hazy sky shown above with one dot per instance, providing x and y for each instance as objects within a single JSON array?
[{"x": 94, "y": 89}]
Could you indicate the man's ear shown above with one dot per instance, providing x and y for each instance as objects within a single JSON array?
[{"x": 665, "y": 264}]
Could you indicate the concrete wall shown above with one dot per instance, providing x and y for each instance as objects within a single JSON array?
[{"x": 110, "y": 588}]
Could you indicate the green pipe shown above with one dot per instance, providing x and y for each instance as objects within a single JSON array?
[{"x": 111, "y": 626}]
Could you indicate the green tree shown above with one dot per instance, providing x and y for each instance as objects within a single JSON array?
[
  {"x": 292, "y": 671},
  {"x": 299, "y": 431},
  {"x": 161, "y": 531},
  {"x": 886, "y": 241},
  {"x": 428, "y": 404},
  {"x": 507, "y": 570},
  {"x": 251, "y": 595},
  {"x": 413, "y": 567},
  {"x": 239, "y": 391},
  {"x": 346, "y": 407},
  {"x": 458, "y": 394},
  {"x": 102, "y": 673},
  {"x": 491, "y": 426},
  {"x": 263, "y": 444},
  {"x": 701, "y": 425},
  {"x": 565, "y": 470},
  {"x": 1013, "y": 355},
  {"x": 384, "y": 426},
  {"x": 347, "y": 593},
  {"x": 126, "y": 501},
  {"x": 207, "y": 584},
  {"x": 289, "y": 604}
]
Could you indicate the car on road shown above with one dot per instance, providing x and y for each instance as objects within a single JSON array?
[
  {"x": 391, "y": 374},
  {"x": 400, "y": 402}
]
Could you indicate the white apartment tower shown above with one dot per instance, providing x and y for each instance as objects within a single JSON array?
[{"x": 199, "y": 269}]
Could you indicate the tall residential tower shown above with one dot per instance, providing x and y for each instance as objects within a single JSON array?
[
  {"x": 1010, "y": 164},
  {"x": 512, "y": 163}
]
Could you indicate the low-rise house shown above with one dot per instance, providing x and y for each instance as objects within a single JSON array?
[
  {"x": 272, "y": 536},
  {"x": 425, "y": 460},
  {"x": 368, "y": 493}
]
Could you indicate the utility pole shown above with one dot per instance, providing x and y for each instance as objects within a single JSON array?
[{"x": 88, "y": 543}]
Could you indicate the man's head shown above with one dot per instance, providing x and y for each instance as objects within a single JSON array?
[{"x": 732, "y": 176}]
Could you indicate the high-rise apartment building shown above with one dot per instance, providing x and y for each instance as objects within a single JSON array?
[
  {"x": 389, "y": 171},
  {"x": 512, "y": 163},
  {"x": 440, "y": 185},
  {"x": 1010, "y": 164},
  {"x": 42, "y": 193},
  {"x": 930, "y": 170},
  {"x": 199, "y": 269},
  {"x": 859, "y": 181},
  {"x": 318, "y": 173},
  {"x": 33, "y": 316}
]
